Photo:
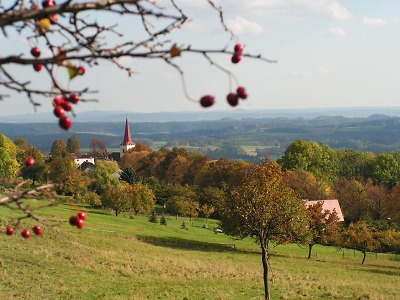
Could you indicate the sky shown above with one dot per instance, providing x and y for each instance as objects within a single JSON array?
[{"x": 329, "y": 54}]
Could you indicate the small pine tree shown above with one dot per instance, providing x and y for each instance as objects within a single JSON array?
[
  {"x": 153, "y": 217},
  {"x": 183, "y": 225},
  {"x": 163, "y": 220}
]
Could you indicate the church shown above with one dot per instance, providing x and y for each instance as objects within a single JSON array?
[{"x": 127, "y": 143}]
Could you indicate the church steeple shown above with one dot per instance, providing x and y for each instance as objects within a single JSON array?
[
  {"x": 127, "y": 143},
  {"x": 127, "y": 136}
]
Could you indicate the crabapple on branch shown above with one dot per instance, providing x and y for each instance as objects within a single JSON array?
[{"x": 68, "y": 35}]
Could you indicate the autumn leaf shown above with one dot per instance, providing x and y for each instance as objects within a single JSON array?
[
  {"x": 175, "y": 51},
  {"x": 61, "y": 55},
  {"x": 43, "y": 25},
  {"x": 72, "y": 70}
]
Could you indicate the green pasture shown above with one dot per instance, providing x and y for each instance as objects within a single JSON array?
[{"x": 128, "y": 257}]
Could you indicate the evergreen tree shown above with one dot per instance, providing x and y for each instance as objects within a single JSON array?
[
  {"x": 153, "y": 217},
  {"x": 163, "y": 220}
]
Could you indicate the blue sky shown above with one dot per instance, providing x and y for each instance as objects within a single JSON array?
[{"x": 330, "y": 54}]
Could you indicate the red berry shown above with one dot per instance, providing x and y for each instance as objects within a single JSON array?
[
  {"x": 47, "y": 3},
  {"x": 80, "y": 223},
  {"x": 35, "y": 52},
  {"x": 54, "y": 19},
  {"x": 26, "y": 234},
  {"x": 81, "y": 70},
  {"x": 66, "y": 105},
  {"x": 30, "y": 161},
  {"x": 207, "y": 101},
  {"x": 73, "y": 220},
  {"x": 57, "y": 101},
  {"x": 236, "y": 58},
  {"x": 241, "y": 92},
  {"x": 65, "y": 122},
  {"x": 9, "y": 230},
  {"x": 232, "y": 99},
  {"x": 82, "y": 215},
  {"x": 74, "y": 98},
  {"x": 59, "y": 111},
  {"x": 238, "y": 48},
  {"x": 37, "y": 67},
  {"x": 37, "y": 230}
]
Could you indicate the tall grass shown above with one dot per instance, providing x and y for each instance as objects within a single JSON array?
[{"x": 124, "y": 258}]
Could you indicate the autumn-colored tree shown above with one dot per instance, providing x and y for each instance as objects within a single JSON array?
[
  {"x": 392, "y": 209},
  {"x": 224, "y": 174},
  {"x": 353, "y": 199},
  {"x": 180, "y": 205},
  {"x": 264, "y": 207},
  {"x": 59, "y": 146},
  {"x": 77, "y": 185},
  {"x": 116, "y": 198},
  {"x": 134, "y": 159},
  {"x": 141, "y": 198},
  {"x": 36, "y": 172},
  {"x": 61, "y": 167},
  {"x": 198, "y": 166},
  {"x": 92, "y": 199},
  {"x": 21, "y": 143},
  {"x": 307, "y": 185},
  {"x": 359, "y": 236},
  {"x": 74, "y": 145},
  {"x": 378, "y": 196},
  {"x": 98, "y": 148},
  {"x": 9, "y": 165},
  {"x": 323, "y": 225}
]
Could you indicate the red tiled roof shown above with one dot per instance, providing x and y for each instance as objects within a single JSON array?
[{"x": 330, "y": 205}]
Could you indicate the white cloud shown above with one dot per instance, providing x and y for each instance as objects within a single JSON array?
[
  {"x": 240, "y": 25},
  {"x": 374, "y": 21},
  {"x": 323, "y": 8},
  {"x": 335, "y": 31}
]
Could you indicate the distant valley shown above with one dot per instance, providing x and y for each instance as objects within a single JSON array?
[{"x": 235, "y": 135}]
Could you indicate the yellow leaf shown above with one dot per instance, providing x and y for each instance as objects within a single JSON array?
[
  {"x": 72, "y": 70},
  {"x": 175, "y": 51},
  {"x": 43, "y": 24}
]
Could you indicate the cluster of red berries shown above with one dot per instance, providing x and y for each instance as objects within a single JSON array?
[
  {"x": 61, "y": 106},
  {"x": 237, "y": 53},
  {"x": 232, "y": 98},
  {"x": 78, "y": 220},
  {"x": 50, "y": 3},
  {"x": 37, "y": 230}
]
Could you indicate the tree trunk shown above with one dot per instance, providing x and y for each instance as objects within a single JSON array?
[
  {"x": 309, "y": 250},
  {"x": 264, "y": 252},
  {"x": 364, "y": 257},
  {"x": 116, "y": 212}
]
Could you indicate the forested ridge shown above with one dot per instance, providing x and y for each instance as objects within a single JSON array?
[{"x": 229, "y": 137}]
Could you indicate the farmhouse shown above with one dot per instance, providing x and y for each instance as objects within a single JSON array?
[{"x": 330, "y": 205}]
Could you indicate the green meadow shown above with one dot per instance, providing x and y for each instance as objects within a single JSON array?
[{"x": 127, "y": 257}]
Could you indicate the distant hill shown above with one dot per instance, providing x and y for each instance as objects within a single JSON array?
[
  {"x": 247, "y": 138},
  {"x": 237, "y": 114}
]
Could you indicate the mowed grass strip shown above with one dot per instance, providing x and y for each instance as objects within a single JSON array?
[{"x": 124, "y": 258}]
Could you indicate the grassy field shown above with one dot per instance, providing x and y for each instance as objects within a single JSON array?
[{"x": 125, "y": 258}]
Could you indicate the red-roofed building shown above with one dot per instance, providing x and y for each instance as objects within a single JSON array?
[
  {"x": 127, "y": 143},
  {"x": 330, "y": 205}
]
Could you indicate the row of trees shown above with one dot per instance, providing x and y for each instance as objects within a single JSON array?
[{"x": 263, "y": 201}]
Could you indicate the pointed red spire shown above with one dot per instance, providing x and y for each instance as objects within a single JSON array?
[{"x": 127, "y": 135}]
